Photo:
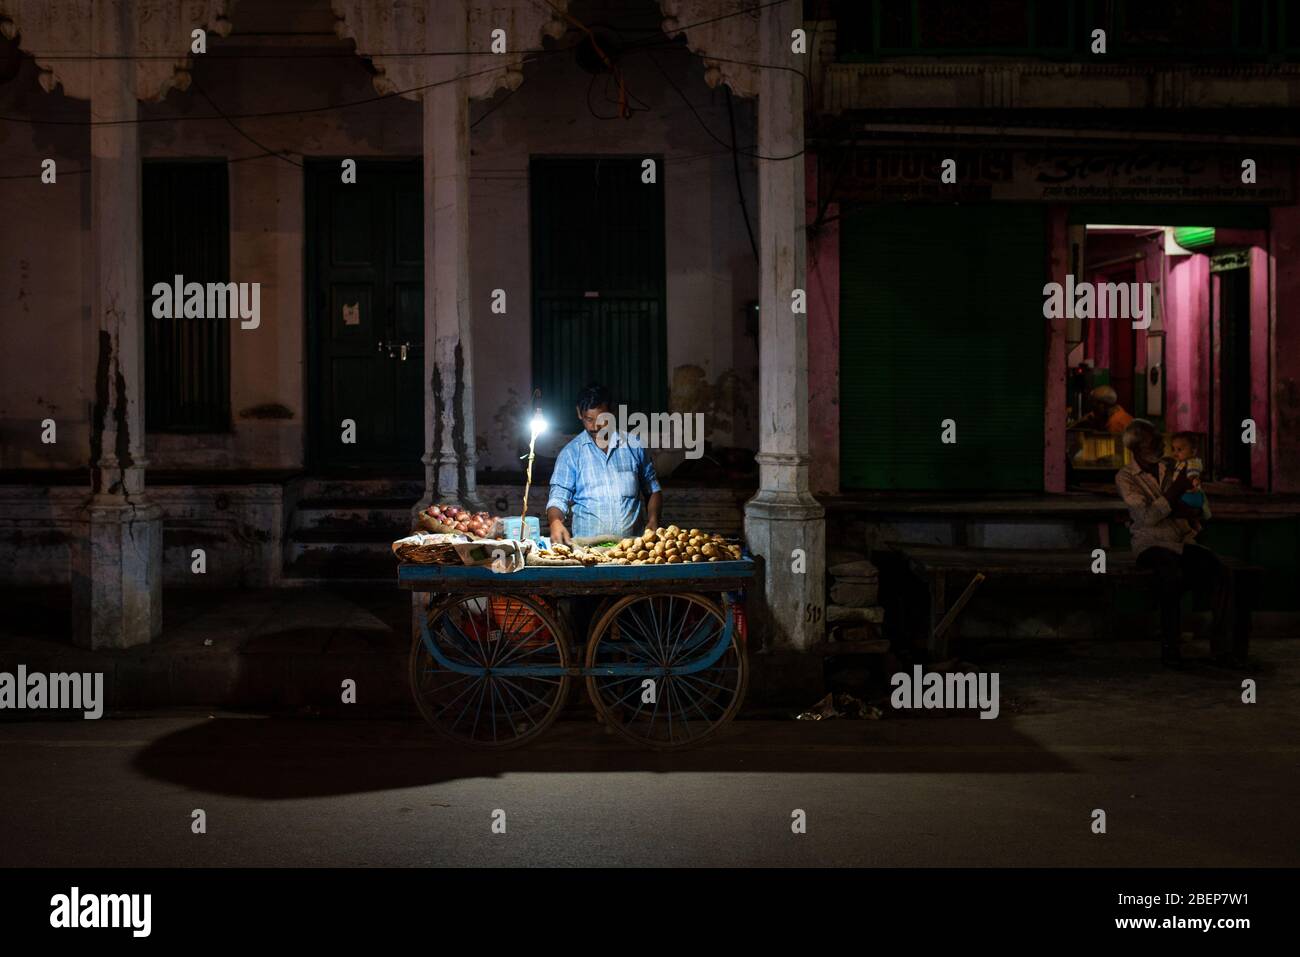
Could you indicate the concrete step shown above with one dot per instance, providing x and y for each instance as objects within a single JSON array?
[
  {"x": 360, "y": 490},
  {"x": 311, "y": 565},
  {"x": 839, "y": 613},
  {"x": 378, "y": 534},
  {"x": 373, "y": 523}
]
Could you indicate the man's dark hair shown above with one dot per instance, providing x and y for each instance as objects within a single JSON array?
[
  {"x": 1191, "y": 438},
  {"x": 593, "y": 396}
]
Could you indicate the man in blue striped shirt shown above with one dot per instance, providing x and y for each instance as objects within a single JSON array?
[{"x": 600, "y": 478}]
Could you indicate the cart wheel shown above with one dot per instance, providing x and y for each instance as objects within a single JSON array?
[
  {"x": 653, "y": 632},
  {"x": 498, "y": 705}
]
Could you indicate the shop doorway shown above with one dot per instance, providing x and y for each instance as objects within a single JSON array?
[{"x": 365, "y": 317}]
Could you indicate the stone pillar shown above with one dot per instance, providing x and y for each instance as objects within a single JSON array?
[
  {"x": 450, "y": 456},
  {"x": 784, "y": 519},
  {"x": 117, "y": 565}
]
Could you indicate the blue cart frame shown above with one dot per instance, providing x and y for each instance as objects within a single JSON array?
[{"x": 660, "y": 635}]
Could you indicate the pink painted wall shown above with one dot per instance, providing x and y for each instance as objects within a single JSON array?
[
  {"x": 823, "y": 343},
  {"x": 1187, "y": 343},
  {"x": 1285, "y": 378},
  {"x": 1261, "y": 346}
]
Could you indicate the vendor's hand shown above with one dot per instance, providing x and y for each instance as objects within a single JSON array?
[
  {"x": 559, "y": 534},
  {"x": 651, "y": 525}
]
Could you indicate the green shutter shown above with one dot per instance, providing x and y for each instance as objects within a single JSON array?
[
  {"x": 941, "y": 317},
  {"x": 186, "y": 232},
  {"x": 598, "y": 283}
]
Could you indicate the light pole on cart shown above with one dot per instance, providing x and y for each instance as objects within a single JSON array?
[{"x": 535, "y": 428}]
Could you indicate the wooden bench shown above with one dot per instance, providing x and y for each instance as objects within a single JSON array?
[{"x": 968, "y": 568}]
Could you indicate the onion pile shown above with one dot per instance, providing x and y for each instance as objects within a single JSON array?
[{"x": 474, "y": 524}]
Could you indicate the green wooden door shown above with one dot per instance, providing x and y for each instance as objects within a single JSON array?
[
  {"x": 366, "y": 311},
  {"x": 941, "y": 317},
  {"x": 598, "y": 282}
]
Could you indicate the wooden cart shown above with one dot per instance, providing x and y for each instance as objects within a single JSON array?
[{"x": 664, "y": 660}]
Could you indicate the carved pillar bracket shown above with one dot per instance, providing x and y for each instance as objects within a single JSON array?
[
  {"x": 408, "y": 57},
  {"x": 159, "y": 35},
  {"x": 726, "y": 35}
]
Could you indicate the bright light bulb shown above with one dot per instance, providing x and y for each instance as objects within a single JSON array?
[{"x": 538, "y": 424}]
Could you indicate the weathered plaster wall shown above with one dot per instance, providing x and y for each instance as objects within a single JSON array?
[
  {"x": 47, "y": 341},
  {"x": 44, "y": 267},
  {"x": 711, "y": 273}
]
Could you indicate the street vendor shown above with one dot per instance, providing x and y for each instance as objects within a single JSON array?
[{"x": 601, "y": 478}]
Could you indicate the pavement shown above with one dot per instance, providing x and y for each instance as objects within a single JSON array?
[{"x": 1187, "y": 774}]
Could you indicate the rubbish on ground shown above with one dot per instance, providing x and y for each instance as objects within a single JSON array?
[{"x": 842, "y": 705}]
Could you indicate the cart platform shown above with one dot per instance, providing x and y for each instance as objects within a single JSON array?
[{"x": 577, "y": 579}]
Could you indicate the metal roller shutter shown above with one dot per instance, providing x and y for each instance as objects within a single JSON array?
[{"x": 941, "y": 317}]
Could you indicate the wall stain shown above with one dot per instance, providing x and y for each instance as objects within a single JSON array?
[
  {"x": 509, "y": 419},
  {"x": 99, "y": 411},
  {"x": 458, "y": 422},
  {"x": 267, "y": 410},
  {"x": 124, "y": 459},
  {"x": 435, "y": 385},
  {"x": 726, "y": 403}
]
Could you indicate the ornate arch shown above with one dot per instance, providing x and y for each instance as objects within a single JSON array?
[
  {"x": 381, "y": 30},
  {"x": 160, "y": 34}
]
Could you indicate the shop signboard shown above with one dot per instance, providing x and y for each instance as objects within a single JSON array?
[{"x": 886, "y": 174}]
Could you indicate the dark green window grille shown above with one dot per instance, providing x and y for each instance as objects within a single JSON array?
[
  {"x": 186, "y": 232},
  {"x": 598, "y": 282}
]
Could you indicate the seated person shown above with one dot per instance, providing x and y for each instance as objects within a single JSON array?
[
  {"x": 1105, "y": 414},
  {"x": 1164, "y": 541}
]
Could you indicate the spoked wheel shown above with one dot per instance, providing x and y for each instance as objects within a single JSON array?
[
  {"x": 641, "y": 636},
  {"x": 514, "y": 653}
]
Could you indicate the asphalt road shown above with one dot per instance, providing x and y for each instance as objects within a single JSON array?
[{"x": 1186, "y": 773}]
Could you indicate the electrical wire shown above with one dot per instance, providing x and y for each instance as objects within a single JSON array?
[
  {"x": 78, "y": 172},
  {"x": 735, "y": 162},
  {"x": 492, "y": 109},
  {"x": 235, "y": 127},
  {"x": 705, "y": 126}
]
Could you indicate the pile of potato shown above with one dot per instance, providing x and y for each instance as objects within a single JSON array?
[{"x": 674, "y": 546}]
